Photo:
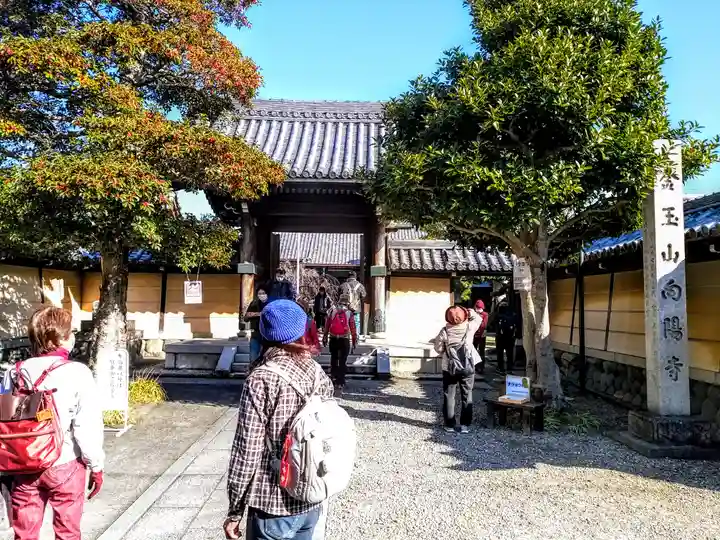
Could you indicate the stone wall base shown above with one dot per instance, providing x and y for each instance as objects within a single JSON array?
[{"x": 626, "y": 385}]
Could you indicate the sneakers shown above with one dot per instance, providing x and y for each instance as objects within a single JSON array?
[{"x": 463, "y": 429}]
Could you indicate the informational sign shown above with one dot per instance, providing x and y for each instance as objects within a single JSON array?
[
  {"x": 517, "y": 389},
  {"x": 193, "y": 292},
  {"x": 113, "y": 379},
  {"x": 522, "y": 280}
]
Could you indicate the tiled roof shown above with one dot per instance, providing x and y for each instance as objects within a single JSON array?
[
  {"x": 702, "y": 219},
  {"x": 313, "y": 139},
  {"x": 406, "y": 233},
  {"x": 440, "y": 259},
  {"x": 137, "y": 256},
  {"x": 322, "y": 249}
]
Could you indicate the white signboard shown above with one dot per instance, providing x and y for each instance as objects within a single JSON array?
[
  {"x": 522, "y": 280},
  {"x": 517, "y": 387},
  {"x": 193, "y": 292},
  {"x": 113, "y": 374}
]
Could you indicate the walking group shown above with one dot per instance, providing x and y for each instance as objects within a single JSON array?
[{"x": 337, "y": 322}]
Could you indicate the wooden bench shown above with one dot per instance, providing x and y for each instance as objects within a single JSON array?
[{"x": 531, "y": 414}]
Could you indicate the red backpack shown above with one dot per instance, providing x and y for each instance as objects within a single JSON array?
[
  {"x": 339, "y": 325},
  {"x": 31, "y": 437}
]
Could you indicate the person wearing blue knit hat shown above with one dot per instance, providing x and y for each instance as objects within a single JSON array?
[
  {"x": 274, "y": 392},
  {"x": 282, "y": 322}
]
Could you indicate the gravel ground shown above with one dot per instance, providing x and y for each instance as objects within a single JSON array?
[{"x": 415, "y": 481}]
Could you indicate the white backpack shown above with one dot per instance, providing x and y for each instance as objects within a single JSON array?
[{"x": 318, "y": 454}]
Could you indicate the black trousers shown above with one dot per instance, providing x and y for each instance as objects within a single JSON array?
[
  {"x": 505, "y": 348},
  {"x": 479, "y": 344},
  {"x": 339, "y": 351},
  {"x": 320, "y": 321},
  {"x": 450, "y": 385}
]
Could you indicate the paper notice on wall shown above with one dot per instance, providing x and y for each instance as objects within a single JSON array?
[
  {"x": 522, "y": 280},
  {"x": 193, "y": 292}
]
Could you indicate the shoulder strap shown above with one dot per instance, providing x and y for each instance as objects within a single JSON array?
[
  {"x": 285, "y": 377},
  {"x": 53, "y": 367}
]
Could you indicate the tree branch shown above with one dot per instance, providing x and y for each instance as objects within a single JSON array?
[
  {"x": 581, "y": 216},
  {"x": 513, "y": 241},
  {"x": 514, "y": 137},
  {"x": 95, "y": 11}
]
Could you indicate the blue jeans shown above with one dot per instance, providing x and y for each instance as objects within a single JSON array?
[
  {"x": 255, "y": 348},
  {"x": 357, "y": 322},
  {"x": 262, "y": 526}
]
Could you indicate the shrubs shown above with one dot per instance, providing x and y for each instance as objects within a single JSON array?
[{"x": 144, "y": 390}]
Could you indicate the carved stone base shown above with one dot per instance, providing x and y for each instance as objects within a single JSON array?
[
  {"x": 670, "y": 429},
  {"x": 664, "y": 450},
  {"x": 679, "y": 437}
]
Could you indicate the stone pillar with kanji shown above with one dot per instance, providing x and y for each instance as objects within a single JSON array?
[{"x": 666, "y": 323}]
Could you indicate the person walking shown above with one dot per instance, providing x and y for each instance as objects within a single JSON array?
[
  {"x": 341, "y": 336},
  {"x": 462, "y": 324},
  {"x": 507, "y": 324},
  {"x": 280, "y": 287},
  {"x": 311, "y": 338},
  {"x": 356, "y": 294},
  {"x": 252, "y": 316},
  {"x": 479, "y": 340},
  {"x": 79, "y": 412},
  {"x": 268, "y": 404},
  {"x": 322, "y": 305}
]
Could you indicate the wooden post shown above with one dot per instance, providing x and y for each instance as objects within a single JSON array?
[
  {"x": 378, "y": 273},
  {"x": 246, "y": 268}
]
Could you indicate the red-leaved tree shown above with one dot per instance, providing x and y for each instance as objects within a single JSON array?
[{"x": 88, "y": 157}]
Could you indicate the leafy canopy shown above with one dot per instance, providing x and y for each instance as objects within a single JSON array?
[
  {"x": 544, "y": 134},
  {"x": 88, "y": 156}
]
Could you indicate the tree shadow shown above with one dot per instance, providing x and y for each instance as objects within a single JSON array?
[{"x": 499, "y": 449}]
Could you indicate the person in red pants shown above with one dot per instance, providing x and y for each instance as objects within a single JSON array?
[{"x": 62, "y": 486}]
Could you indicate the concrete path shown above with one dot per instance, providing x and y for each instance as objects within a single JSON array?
[{"x": 188, "y": 502}]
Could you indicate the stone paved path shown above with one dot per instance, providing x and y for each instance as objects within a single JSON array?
[{"x": 414, "y": 481}]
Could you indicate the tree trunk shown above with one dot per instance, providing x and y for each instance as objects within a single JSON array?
[
  {"x": 528, "y": 334},
  {"x": 109, "y": 328},
  {"x": 548, "y": 373}
]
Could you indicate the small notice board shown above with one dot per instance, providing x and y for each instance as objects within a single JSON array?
[
  {"x": 517, "y": 389},
  {"x": 193, "y": 292},
  {"x": 522, "y": 280},
  {"x": 113, "y": 380}
]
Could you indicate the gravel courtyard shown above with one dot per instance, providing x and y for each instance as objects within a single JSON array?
[{"x": 413, "y": 480}]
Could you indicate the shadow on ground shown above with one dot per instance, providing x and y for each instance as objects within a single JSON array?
[
  {"x": 503, "y": 448},
  {"x": 202, "y": 393}
]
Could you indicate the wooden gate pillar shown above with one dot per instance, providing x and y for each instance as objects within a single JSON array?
[
  {"x": 378, "y": 271},
  {"x": 246, "y": 267}
]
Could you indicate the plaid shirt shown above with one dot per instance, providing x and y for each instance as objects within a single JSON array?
[{"x": 267, "y": 407}]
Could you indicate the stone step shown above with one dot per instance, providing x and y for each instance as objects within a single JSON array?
[
  {"x": 239, "y": 368},
  {"x": 324, "y": 359}
]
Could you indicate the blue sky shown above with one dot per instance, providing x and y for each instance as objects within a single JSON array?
[{"x": 369, "y": 49}]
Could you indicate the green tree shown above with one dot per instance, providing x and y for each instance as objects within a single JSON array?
[
  {"x": 539, "y": 140},
  {"x": 88, "y": 157}
]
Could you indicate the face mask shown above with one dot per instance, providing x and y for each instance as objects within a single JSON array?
[
  {"x": 278, "y": 277},
  {"x": 262, "y": 297}
]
